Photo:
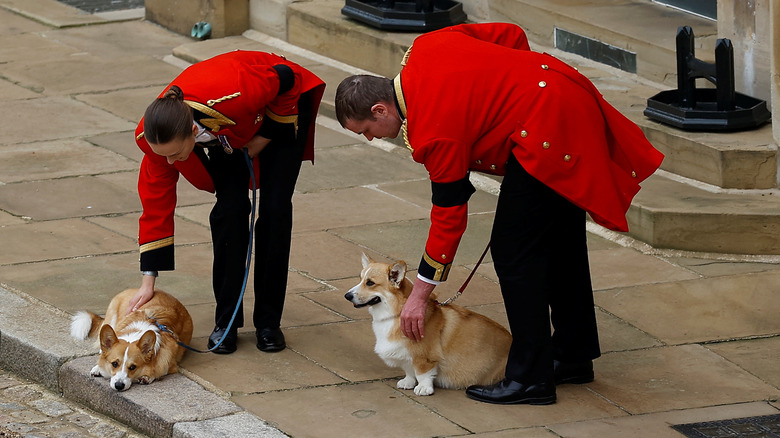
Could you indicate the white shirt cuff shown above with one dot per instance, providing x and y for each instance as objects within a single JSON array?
[{"x": 428, "y": 280}]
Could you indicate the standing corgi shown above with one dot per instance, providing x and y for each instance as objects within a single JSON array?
[
  {"x": 460, "y": 347},
  {"x": 138, "y": 347}
]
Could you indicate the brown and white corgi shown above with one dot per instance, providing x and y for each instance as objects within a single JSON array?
[
  {"x": 460, "y": 347},
  {"x": 138, "y": 347}
]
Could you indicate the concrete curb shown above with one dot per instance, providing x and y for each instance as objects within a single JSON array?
[{"x": 35, "y": 343}]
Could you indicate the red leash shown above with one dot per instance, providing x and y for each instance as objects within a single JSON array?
[{"x": 466, "y": 283}]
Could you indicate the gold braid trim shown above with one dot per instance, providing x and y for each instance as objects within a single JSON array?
[
  {"x": 399, "y": 94},
  {"x": 139, "y": 136},
  {"x": 218, "y": 119},
  {"x": 223, "y": 98},
  {"x": 157, "y": 244},
  {"x": 442, "y": 270},
  {"x": 406, "y": 56}
]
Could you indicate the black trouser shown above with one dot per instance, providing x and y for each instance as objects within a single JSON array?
[
  {"x": 280, "y": 164},
  {"x": 540, "y": 253}
]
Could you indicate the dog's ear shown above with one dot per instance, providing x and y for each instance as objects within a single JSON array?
[
  {"x": 366, "y": 260},
  {"x": 107, "y": 337},
  {"x": 146, "y": 344},
  {"x": 397, "y": 273}
]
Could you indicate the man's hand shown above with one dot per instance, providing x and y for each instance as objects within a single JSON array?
[
  {"x": 144, "y": 294},
  {"x": 413, "y": 313},
  {"x": 256, "y": 145}
]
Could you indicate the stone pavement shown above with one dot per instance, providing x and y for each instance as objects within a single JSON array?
[
  {"x": 28, "y": 409},
  {"x": 687, "y": 337}
]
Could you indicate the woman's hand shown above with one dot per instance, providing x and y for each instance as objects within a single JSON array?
[
  {"x": 144, "y": 294},
  {"x": 256, "y": 145}
]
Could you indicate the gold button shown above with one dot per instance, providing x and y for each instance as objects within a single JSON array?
[
  {"x": 567, "y": 157},
  {"x": 479, "y": 161},
  {"x": 545, "y": 66},
  {"x": 493, "y": 166},
  {"x": 633, "y": 174},
  {"x": 546, "y": 145},
  {"x": 524, "y": 133},
  {"x": 542, "y": 84},
  {"x": 444, "y": 256}
]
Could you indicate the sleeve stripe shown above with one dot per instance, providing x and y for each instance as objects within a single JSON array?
[{"x": 157, "y": 244}]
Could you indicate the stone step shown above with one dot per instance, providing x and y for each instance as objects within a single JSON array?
[
  {"x": 614, "y": 32},
  {"x": 684, "y": 215}
]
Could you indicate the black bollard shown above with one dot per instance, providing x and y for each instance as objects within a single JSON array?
[{"x": 706, "y": 109}]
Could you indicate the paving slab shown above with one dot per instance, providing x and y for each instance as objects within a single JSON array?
[
  {"x": 53, "y": 240},
  {"x": 674, "y": 378},
  {"x": 356, "y": 165},
  {"x": 235, "y": 425},
  {"x": 248, "y": 371},
  {"x": 120, "y": 40},
  {"x": 67, "y": 119},
  {"x": 129, "y": 104},
  {"x": 659, "y": 425},
  {"x": 621, "y": 267},
  {"x": 38, "y": 199},
  {"x": 122, "y": 143},
  {"x": 371, "y": 409},
  {"x": 709, "y": 309},
  {"x": 757, "y": 356},
  {"x": 575, "y": 403},
  {"x": 104, "y": 74},
  {"x": 59, "y": 159}
]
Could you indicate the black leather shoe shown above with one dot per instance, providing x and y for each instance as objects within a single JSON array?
[
  {"x": 573, "y": 372},
  {"x": 270, "y": 340},
  {"x": 509, "y": 392},
  {"x": 228, "y": 344}
]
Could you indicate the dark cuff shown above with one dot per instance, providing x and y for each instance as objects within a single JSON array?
[
  {"x": 433, "y": 270},
  {"x": 276, "y": 130},
  {"x": 453, "y": 193},
  {"x": 160, "y": 259}
]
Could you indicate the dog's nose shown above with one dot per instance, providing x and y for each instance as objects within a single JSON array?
[
  {"x": 348, "y": 296},
  {"x": 119, "y": 386}
]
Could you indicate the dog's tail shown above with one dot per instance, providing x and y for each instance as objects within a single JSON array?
[{"x": 85, "y": 325}]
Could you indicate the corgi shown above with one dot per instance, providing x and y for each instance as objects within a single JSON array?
[
  {"x": 460, "y": 347},
  {"x": 138, "y": 347}
]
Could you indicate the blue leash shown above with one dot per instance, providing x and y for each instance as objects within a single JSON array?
[{"x": 246, "y": 271}]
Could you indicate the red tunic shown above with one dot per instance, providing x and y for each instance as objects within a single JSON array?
[
  {"x": 235, "y": 93},
  {"x": 472, "y": 94}
]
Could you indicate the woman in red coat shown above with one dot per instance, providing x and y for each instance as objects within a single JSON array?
[
  {"x": 474, "y": 97},
  {"x": 199, "y": 127}
]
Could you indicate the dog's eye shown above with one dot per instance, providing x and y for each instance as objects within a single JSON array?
[
  {"x": 115, "y": 364},
  {"x": 131, "y": 367},
  {"x": 369, "y": 283}
]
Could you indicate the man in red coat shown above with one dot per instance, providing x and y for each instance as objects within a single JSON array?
[
  {"x": 199, "y": 128},
  {"x": 474, "y": 97}
]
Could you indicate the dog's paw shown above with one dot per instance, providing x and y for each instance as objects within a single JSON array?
[
  {"x": 145, "y": 380},
  {"x": 423, "y": 389},
  {"x": 406, "y": 383},
  {"x": 95, "y": 372}
]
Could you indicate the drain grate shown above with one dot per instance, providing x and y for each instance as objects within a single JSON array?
[
  {"x": 752, "y": 427},
  {"x": 93, "y": 6}
]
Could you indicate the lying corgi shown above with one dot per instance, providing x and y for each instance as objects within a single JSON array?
[
  {"x": 460, "y": 347},
  {"x": 138, "y": 347}
]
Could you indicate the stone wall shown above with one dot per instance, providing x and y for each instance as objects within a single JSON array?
[{"x": 747, "y": 24}]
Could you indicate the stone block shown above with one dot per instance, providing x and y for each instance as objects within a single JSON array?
[{"x": 227, "y": 17}]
